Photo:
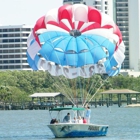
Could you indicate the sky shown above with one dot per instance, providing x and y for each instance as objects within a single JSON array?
[{"x": 18, "y": 12}]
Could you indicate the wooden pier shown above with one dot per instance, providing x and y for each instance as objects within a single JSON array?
[{"x": 46, "y": 101}]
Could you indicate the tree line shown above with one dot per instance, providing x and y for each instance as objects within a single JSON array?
[{"x": 16, "y": 86}]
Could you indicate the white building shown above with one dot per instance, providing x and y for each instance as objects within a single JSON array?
[
  {"x": 13, "y": 47},
  {"x": 134, "y": 34}
]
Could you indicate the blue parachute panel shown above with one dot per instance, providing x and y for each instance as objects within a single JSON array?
[
  {"x": 57, "y": 57},
  {"x": 31, "y": 62},
  {"x": 98, "y": 54},
  {"x": 85, "y": 59},
  {"x": 71, "y": 59}
]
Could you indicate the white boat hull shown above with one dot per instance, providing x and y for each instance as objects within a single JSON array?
[{"x": 63, "y": 130}]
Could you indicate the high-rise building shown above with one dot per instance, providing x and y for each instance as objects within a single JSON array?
[
  {"x": 122, "y": 20},
  {"x": 134, "y": 34},
  {"x": 127, "y": 18},
  {"x": 13, "y": 47}
]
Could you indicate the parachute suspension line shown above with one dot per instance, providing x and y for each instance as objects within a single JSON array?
[
  {"x": 81, "y": 92},
  {"x": 99, "y": 80},
  {"x": 83, "y": 84},
  {"x": 76, "y": 93},
  {"x": 90, "y": 89},
  {"x": 64, "y": 88},
  {"x": 68, "y": 94},
  {"x": 74, "y": 90},
  {"x": 71, "y": 95},
  {"x": 97, "y": 90},
  {"x": 88, "y": 94},
  {"x": 86, "y": 88},
  {"x": 69, "y": 98}
]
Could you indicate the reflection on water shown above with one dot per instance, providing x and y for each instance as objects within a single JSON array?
[{"x": 124, "y": 124}]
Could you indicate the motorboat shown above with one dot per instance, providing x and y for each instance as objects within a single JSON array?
[{"x": 71, "y": 129}]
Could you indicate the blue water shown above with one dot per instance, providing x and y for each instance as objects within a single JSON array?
[{"x": 124, "y": 124}]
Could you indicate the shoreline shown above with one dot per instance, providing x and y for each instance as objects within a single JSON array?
[{"x": 133, "y": 105}]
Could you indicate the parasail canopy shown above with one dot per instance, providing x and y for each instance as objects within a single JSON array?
[{"x": 76, "y": 40}]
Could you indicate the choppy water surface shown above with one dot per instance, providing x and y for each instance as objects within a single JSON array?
[{"x": 124, "y": 124}]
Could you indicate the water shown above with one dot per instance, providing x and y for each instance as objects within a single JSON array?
[{"x": 124, "y": 124}]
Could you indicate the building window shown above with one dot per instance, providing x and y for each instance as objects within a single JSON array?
[
  {"x": 5, "y": 40},
  {"x": 17, "y": 29},
  {"x": 5, "y": 61},
  {"x": 17, "y": 67},
  {"x": 17, "y": 56},
  {"x": 5, "y": 51},
  {"x": 11, "y": 56},
  {"x": 17, "y": 61},
  {"x": 17, "y": 51},
  {"x": 17, "y": 45},
  {"x": 26, "y": 29},
  {"x": 11, "y": 67},
  {"x": 11, "y": 51},
  {"x": 5, "y": 35},
  {"x": 11, "y": 30},
  {"x": 24, "y": 61},
  {"x": 17, "y": 40},
  {"x": 5, "y": 56},
  {"x": 5, "y": 67},
  {"x": 11, "y": 40},
  {"x": 11, "y": 61},
  {"x": 11, "y": 45},
  {"x": 4, "y": 30},
  {"x": 17, "y": 35}
]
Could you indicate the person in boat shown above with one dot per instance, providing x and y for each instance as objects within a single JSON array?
[
  {"x": 53, "y": 121},
  {"x": 88, "y": 113},
  {"x": 67, "y": 118},
  {"x": 80, "y": 119},
  {"x": 75, "y": 120},
  {"x": 84, "y": 120}
]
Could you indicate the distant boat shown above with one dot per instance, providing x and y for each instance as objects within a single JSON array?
[{"x": 64, "y": 130}]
